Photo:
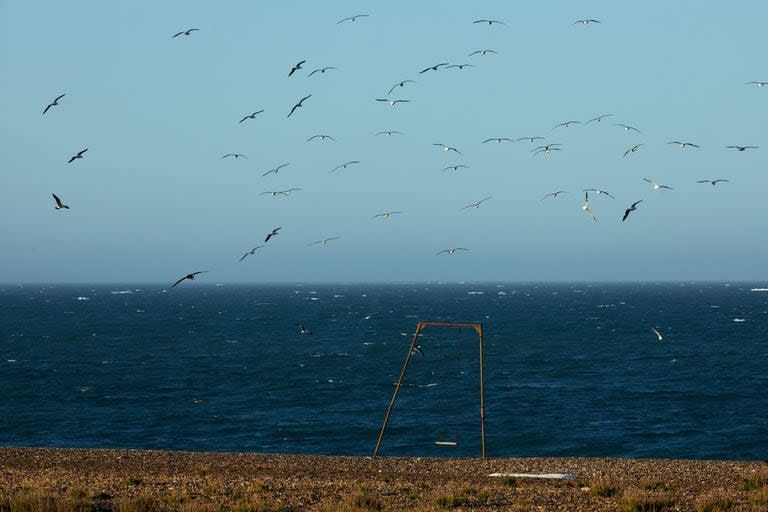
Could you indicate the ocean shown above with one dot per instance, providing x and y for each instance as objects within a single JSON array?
[{"x": 571, "y": 369}]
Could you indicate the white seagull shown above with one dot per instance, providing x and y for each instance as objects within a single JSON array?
[
  {"x": 585, "y": 22},
  {"x": 345, "y": 164},
  {"x": 656, "y": 186},
  {"x": 628, "y": 128},
  {"x": 324, "y": 241},
  {"x": 234, "y": 155},
  {"x": 553, "y": 194},
  {"x": 251, "y": 252},
  {"x": 477, "y": 204},
  {"x": 392, "y": 102},
  {"x": 566, "y": 124},
  {"x": 490, "y": 22},
  {"x": 497, "y": 140},
  {"x": 276, "y": 169},
  {"x": 482, "y": 52},
  {"x": 757, "y": 84},
  {"x": 384, "y": 215},
  {"x": 658, "y": 334},
  {"x": 545, "y": 149},
  {"x": 387, "y": 133},
  {"x": 320, "y": 136},
  {"x": 598, "y": 192},
  {"x": 447, "y": 148},
  {"x": 598, "y": 118},
  {"x": 585, "y": 207},
  {"x": 683, "y": 145}
]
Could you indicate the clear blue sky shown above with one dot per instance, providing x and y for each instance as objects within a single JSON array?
[{"x": 152, "y": 199}]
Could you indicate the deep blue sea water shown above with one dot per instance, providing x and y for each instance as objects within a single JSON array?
[{"x": 570, "y": 369}]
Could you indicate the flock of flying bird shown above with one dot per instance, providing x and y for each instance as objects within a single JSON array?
[{"x": 541, "y": 149}]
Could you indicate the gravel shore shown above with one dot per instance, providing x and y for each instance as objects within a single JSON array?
[{"x": 142, "y": 481}]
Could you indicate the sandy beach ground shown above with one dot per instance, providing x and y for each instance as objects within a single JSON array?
[{"x": 37, "y": 480}]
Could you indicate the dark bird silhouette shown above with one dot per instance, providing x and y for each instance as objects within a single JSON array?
[
  {"x": 482, "y": 52},
  {"x": 630, "y": 209},
  {"x": 299, "y": 104},
  {"x": 400, "y": 84},
  {"x": 554, "y": 194},
  {"x": 324, "y": 241},
  {"x": 185, "y": 32},
  {"x": 585, "y": 22},
  {"x": 455, "y": 167},
  {"x": 54, "y": 103},
  {"x": 566, "y": 124},
  {"x": 353, "y": 18},
  {"x": 189, "y": 276},
  {"x": 490, "y": 22},
  {"x": 632, "y": 149},
  {"x": 434, "y": 68},
  {"x": 59, "y": 204},
  {"x": 273, "y": 233},
  {"x": 321, "y": 70},
  {"x": 498, "y": 140},
  {"x": 418, "y": 349},
  {"x": 713, "y": 182},
  {"x": 344, "y": 165},
  {"x": 477, "y": 204},
  {"x": 234, "y": 155},
  {"x": 545, "y": 149},
  {"x": 276, "y": 169},
  {"x": 598, "y": 118},
  {"x": 742, "y": 148},
  {"x": 251, "y": 252},
  {"x": 78, "y": 155},
  {"x": 460, "y": 66},
  {"x": 296, "y": 67},
  {"x": 530, "y": 139},
  {"x": 251, "y": 116}
]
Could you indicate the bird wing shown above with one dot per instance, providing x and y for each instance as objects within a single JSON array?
[
  {"x": 176, "y": 35},
  {"x": 646, "y": 179},
  {"x": 47, "y": 108},
  {"x": 606, "y": 193},
  {"x": 56, "y": 198},
  {"x": 177, "y": 282},
  {"x": 293, "y": 109},
  {"x": 704, "y": 181},
  {"x": 312, "y": 73},
  {"x": 81, "y": 152},
  {"x": 636, "y": 203},
  {"x": 626, "y": 214}
]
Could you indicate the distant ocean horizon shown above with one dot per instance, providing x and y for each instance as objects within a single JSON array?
[{"x": 571, "y": 368}]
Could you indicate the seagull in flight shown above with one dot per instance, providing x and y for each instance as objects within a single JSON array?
[
  {"x": 384, "y": 215},
  {"x": 324, "y": 241},
  {"x": 59, "y": 204},
  {"x": 418, "y": 349},
  {"x": 683, "y": 145},
  {"x": 296, "y": 67},
  {"x": 251, "y": 252},
  {"x": 598, "y": 192},
  {"x": 630, "y": 209},
  {"x": 276, "y": 169},
  {"x": 387, "y": 133},
  {"x": 598, "y": 118},
  {"x": 304, "y": 330},
  {"x": 447, "y": 148},
  {"x": 585, "y": 207},
  {"x": 554, "y": 194},
  {"x": 321, "y": 70},
  {"x": 530, "y": 139},
  {"x": 273, "y": 233},
  {"x": 477, "y": 204},
  {"x": 585, "y": 22},
  {"x": 251, "y": 116},
  {"x": 274, "y": 193},
  {"x": 757, "y": 84},
  {"x": 289, "y": 191},
  {"x": 78, "y": 155},
  {"x": 460, "y": 66},
  {"x": 392, "y": 102},
  {"x": 545, "y": 149},
  {"x": 498, "y": 140},
  {"x": 299, "y": 104},
  {"x": 658, "y": 334},
  {"x": 455, "y": 167},
  {"x": 187, "y": 32},
  {"x": 451, "y": 251},
  {"x": 234, "y": 155},
  {"x": 713, "y": 182},
  {"x": 633, "y": 149},
  {"x": 434, "y": 68},
  {"x": 655, "y": 185},
  {"x": 742, "y": 148},
  {"x": 400, "y": 84},
  {"x": 482, "y": 52},
  {"x": 189, "y": 276},
  {"x": 627, "y": 128},
  {"x": 566, "y": 124},
  {"x": 490, "y": 22},
  {"x": 320, "y": 136},
  {"x": 353, "y": 18},
  {"x": 53, "y": 103},
  {"x": 345, "y": 164}
]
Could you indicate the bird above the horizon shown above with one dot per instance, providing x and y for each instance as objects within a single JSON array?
[
  {"x": 296, "y": 67},
  {"x": 490, "y": 22},
  {"x": 400, "y": 84},
  {"x": 59, "y": 204},
  {"x": 191, "y": 277},
  {"x": 482, "y": 52},
  {"x": 598, "y": 118},
  {"x": 460, "y": 66},
  {"x": 545, "y": 149},
  {"x": 324, "y": 241},
  {"x": 554, "y": 194},
  {"x": 633, "y": 149},
  {"x": 274, "y": 232},
  {"x": 656, "y": 186},
  {"x": 657, "y": 333},
  {"x": 344, "y": 165},
  {"x": 566, "y": 124},
  {"x": 187, "y": 32},
  {"x": 530, "y": 139},
  {"x": 276, "y": 169},
  {"x": 434, "y": 68},
  {"x": 757, "y": 84},
  {"x": 455, "y": 167},
  {"x": 627, "y": 128},
  {"x": 388, "y": 133},
  {"x": 632, "y": 208},
  {"x": 384, "y": 215},
  {"x": 446, "y": 148},
  {"x": 321, "y": 70},
  {"x": 392, "y": 102},
  {"x": 274, "y": 193},
  {"x": 352, "y": 19},
  {"x": 235, "y": 155},
  {"x": 321, "y": 136},
  {"x": 251, "y": 116},
  {"x": 289, "y": 191},
  {"x": 683, "y": 145},
  {"x": 251, "y": 252},
  {"x": 451, "y": 251},
  {"x": 77, "y": 156},
  {"x": 586, "y": 208},
  {"x": 713, "y": 182},
  {"x": 54, "y": 103},
  {"x": 477, "y": 204},
  {"x": 742, "y": 148},
  {"x": 299, "y": 104},
  {"x": 498, "y": 140},
  {"x": 598, "y": 192},
  {"x": 585, "y": 21},
  {"x": 304, "y": 330}
]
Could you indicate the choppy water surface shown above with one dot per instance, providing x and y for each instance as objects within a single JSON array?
[{"x": 570, "y": 370}]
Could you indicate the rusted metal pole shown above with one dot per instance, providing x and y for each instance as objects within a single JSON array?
[
  {"x": 397, "y": 387},
  {"x": 479, "y": 330}
]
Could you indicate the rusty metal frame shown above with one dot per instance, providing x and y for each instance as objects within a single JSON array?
[{"x": 478, "y": 328}]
